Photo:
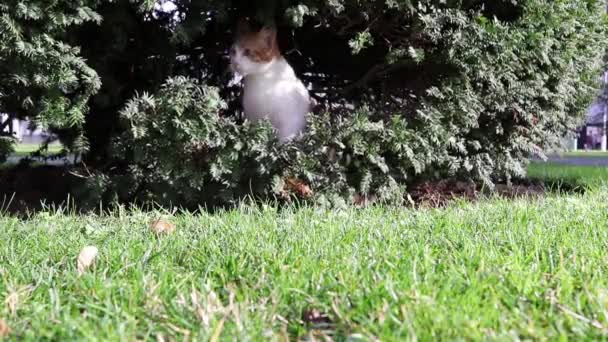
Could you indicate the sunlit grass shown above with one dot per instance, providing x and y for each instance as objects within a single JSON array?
[
  {"x": 487, "y": 270},
  {"x": 23, "y": 150},
  {"x": 555, "y": 174}
]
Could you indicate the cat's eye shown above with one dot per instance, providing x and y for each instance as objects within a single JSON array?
[{"x": 247, "y": 52}]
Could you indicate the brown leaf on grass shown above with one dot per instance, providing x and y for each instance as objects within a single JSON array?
[
  {"x": 160, "y": 226},
  {"x": 298, "y": 187},
  {"x": 314, "y": 316},
  {"x": 86, "y": 258},
  {"x": 5, "y": 330}
]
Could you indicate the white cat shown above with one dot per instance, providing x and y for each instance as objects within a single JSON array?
[{"x": 271, "y": 88}]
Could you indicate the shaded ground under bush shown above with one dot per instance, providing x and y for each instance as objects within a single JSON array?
[
  {"x": 26, "y": 189},
  {"x": 439, "y": 194}
]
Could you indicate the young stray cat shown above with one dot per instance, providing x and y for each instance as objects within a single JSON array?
[{"x": 271, "y": 88}]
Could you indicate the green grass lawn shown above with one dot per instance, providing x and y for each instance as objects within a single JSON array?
[
  {"x": 586, "y": 154},
  {"x": 23, "y": 150},
  {"x": 555, "y": 174},
  {"x": 495, "y": 269},
  {"x": 487, "y": 270}
]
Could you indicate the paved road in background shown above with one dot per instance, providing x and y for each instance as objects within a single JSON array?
[{"x": 581, "y": 161}]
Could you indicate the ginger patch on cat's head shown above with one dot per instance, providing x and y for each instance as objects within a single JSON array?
[{"x": 258, "y": 46}]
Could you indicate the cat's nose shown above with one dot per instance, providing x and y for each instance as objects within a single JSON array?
[{"x": 230, "y": 54}]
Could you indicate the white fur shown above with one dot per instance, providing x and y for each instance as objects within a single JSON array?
[{"x": 273, "y": 91}]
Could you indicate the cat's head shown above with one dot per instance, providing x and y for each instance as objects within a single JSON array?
[{"x": 253, "y": 51}]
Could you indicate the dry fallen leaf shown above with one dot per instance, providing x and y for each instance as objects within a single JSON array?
[
  {"x": 86, "y": 258},
  {"x": 299, "y": 187},
  {"x": 4, "y": 329},
  {"x": 314, "y": 316},
  {"x": 160, "y": 226}
]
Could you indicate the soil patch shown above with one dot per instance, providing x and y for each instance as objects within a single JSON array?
[{"x": 440, "y": 193}]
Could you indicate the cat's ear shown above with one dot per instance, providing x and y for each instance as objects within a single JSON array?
[
  {"x": 243, "y": 27},
  {"x": 269, "y": 36}
]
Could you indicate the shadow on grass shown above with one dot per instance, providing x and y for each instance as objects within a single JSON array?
[{"x": 29, "y": 188}]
